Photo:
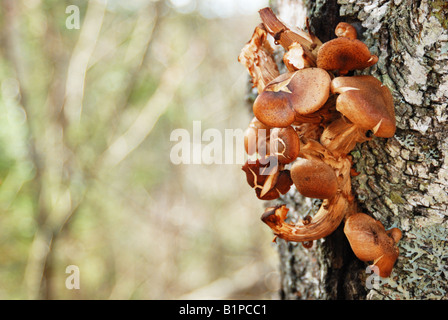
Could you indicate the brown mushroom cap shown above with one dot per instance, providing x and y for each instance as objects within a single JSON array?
[
  {"x": 267, "y": 181},
  {"x": 273, "y": 109},
  {"x": 366, "y": 102},
  {"x": 314, "y": 178},
  {"x": 303, "y": 92},
  {"x": 344, "y": 29},
  {"x": 285, "y": 144},
  {"x": 282, "y": 143},
  {"x": 344, "y": 54},
  {"x": 371, "y": 242}
]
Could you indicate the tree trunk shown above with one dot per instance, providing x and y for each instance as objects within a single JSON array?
[{"x": 403, "y": 181}]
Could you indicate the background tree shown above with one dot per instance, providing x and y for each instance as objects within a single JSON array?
[
  {"x": 85, "y": 171},
  {"x": 403, "y": 181}
]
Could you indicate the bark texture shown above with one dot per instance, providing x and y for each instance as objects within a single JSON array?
[{"x": 403, "y": 181}]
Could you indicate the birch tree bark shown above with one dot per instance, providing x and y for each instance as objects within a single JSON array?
[{"x": 403, "y": 181}]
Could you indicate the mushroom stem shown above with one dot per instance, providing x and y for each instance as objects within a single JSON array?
[
  {"x": 341, "y": 164},
  {"x": 326, "y": 220},
  {"x": 341, "y": 136},
  {"x": 332, "y": 211},
  {"x": 286, "y": 37}
]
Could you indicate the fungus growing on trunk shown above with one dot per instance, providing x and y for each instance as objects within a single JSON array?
[
  {"x": 268, "y": 178},
  {"x": 256, "y": 138},
  {"x": 296, "y": 59},
  {"x": 315, "y": 119},
  {"x": 371, "y": 242},
  {"x": 302, "y": 92},
  {"x": 366, "y": 105},
  {"x": 257, "y": 56},
  {"x": 314, "y": 179},
  {"x": 344, "y": 29},
  {"x": 344, "y": 54},
  {"x": 282, "y": 143},
  {"x": 322, "y": 224},
  {"x": 287, "y": 37},
  {"x": 364, "y": 100},
  {"x": 333, "y": 209}
]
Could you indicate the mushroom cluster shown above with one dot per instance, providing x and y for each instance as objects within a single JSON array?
[{"x": 306, "y": 122}]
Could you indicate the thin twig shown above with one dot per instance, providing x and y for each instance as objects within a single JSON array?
[{"x": 78, "y": 65}]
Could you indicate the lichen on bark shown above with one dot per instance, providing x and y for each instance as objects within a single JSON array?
[{"x": 403, "y": 181}]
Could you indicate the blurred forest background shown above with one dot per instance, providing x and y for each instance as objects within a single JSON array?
[{"x": 85, "y": 173}]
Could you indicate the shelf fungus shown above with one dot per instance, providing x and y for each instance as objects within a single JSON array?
[{"x": 306, "y": 122}]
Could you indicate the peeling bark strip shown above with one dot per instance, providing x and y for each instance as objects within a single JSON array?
[{"x": 403, "y": 180}]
